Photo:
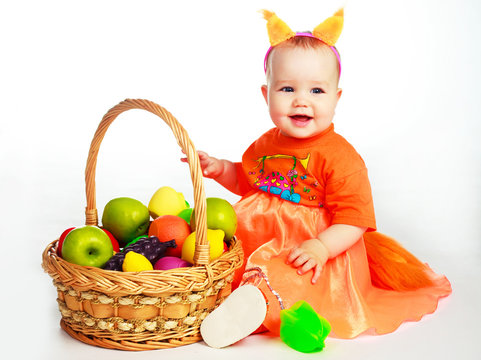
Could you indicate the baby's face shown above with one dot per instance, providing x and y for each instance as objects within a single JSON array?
[{"x": 301, "y": 90}]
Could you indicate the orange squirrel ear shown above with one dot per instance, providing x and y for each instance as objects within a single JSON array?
[
  {"x": 277, "y": 29},
  {"x": 330, "y": 29}
]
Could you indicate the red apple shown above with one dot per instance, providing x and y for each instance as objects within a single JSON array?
[
  {"x": 61, "y": 240},
  {"x": 115, "y": 243}
]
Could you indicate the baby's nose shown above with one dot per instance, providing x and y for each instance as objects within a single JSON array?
[{"x": 300, "y": 101}]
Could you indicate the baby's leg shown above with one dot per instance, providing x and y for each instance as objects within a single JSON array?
[{"x": 236, "y": 318}]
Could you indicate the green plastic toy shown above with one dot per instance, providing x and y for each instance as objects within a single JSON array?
[{"x": 303, "y": 329}]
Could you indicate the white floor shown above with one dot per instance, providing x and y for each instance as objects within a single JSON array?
[
  {"x": 30, "y": 325},
  {"x": 452, "y": 332}
]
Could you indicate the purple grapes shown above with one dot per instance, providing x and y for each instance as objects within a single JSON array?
[{"x": 150, "y": 247}]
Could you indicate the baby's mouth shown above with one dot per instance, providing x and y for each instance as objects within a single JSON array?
[{"x": 300, "y": 120}]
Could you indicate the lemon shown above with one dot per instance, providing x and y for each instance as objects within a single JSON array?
[
  {"x": 216, "y": 245},
  {"x": 134, "y": 262},
  {"x": 166, "y": 201}
]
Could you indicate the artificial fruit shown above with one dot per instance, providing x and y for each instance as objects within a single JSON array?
[
  {"x": 166, "y": 201},
  {"x": 220, "y": 215},
  {"x": 126, "y": 219},
  {"x": 87, "y": 246},
  {"x": 216, "y": 245}
]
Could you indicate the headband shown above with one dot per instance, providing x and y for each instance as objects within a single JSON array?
[{"x": 328, "y": 32}]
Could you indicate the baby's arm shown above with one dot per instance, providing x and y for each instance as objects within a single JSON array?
[
  {"x": 222, "y": 171},
  {"x": 312, "y": 254}
]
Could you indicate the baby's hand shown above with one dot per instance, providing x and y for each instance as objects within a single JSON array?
[
  {"x": 211, "y": 167},
  {"x": 310, "y": 255}
]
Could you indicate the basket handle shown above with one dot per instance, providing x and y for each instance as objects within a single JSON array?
[{"x": 201, "y": 255}]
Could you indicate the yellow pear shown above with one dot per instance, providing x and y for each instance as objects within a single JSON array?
[
  {"x": 166, "y": 201},
  {"x": 216, "y": 245}
]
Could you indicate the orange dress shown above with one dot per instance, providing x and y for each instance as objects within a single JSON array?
[{"x": 294, "y": 189}]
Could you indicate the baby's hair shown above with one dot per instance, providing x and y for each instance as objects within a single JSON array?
[{"x": 305, "y": 42}]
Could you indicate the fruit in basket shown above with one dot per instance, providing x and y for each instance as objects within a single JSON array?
[
  {"x": 115, "y": 243},
  {"x": 170, "y": 227},
  {"x": 220, "y": 215},
  {"x": 149, "y": 247},
  {"x": 186, "y": 214},
  {"x": 87, "y": 246},
  {"x": 166, "y": 201},
  {"x": 135, "y": 240},
  {"x": 115, "y": 262},
  {"x": 61, "y": 240},
  {"x": 134, "y": 262},
  {"x": 125, "y": 218},
  {"x": 170, "y": 262},
  {"x": 216, "y": 245}
]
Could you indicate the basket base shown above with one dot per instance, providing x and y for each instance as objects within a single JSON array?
[{"x": 127, "y": 345}]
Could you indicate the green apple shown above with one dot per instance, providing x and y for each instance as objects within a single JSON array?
[
  {"x": 125, "y": 218},
  {"x": 220, "y": 215},
  {"x": 186, "y": 214},
  {"x": 87, "y": 246},
  {"x": 115, "y": 243}
]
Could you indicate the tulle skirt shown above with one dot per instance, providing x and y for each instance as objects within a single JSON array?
[{"x": 269, "y": 227}]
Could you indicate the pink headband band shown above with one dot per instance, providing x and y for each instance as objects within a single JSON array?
[{"x": 306, "y": 34}]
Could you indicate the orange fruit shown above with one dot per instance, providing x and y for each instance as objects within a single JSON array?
[{"x": 170, "y": 227}]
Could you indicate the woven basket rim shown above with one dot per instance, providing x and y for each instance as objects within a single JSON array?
[{"x": 149, "y": 283}]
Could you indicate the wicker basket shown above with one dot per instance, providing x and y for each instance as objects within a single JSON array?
[{"x": 151, "y": 309}]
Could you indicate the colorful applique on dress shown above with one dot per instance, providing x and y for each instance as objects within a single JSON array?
[
  {"x": 311, "y": 172},
  {"x": 291, "y": 183}
]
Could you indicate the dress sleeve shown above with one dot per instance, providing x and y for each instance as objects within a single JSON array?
[
  {"x": 244, "y": 186},
  {"x": 349, "y": 200}
]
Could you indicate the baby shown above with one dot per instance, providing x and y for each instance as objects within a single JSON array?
[{"x": 307, "y": 208}]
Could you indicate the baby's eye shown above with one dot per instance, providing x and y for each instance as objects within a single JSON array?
[
  {"x": 287, "y": 89},
  {"x": 317, "y": 91}
]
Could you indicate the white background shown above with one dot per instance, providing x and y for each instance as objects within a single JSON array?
[{"x": 410, "y": 105}]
